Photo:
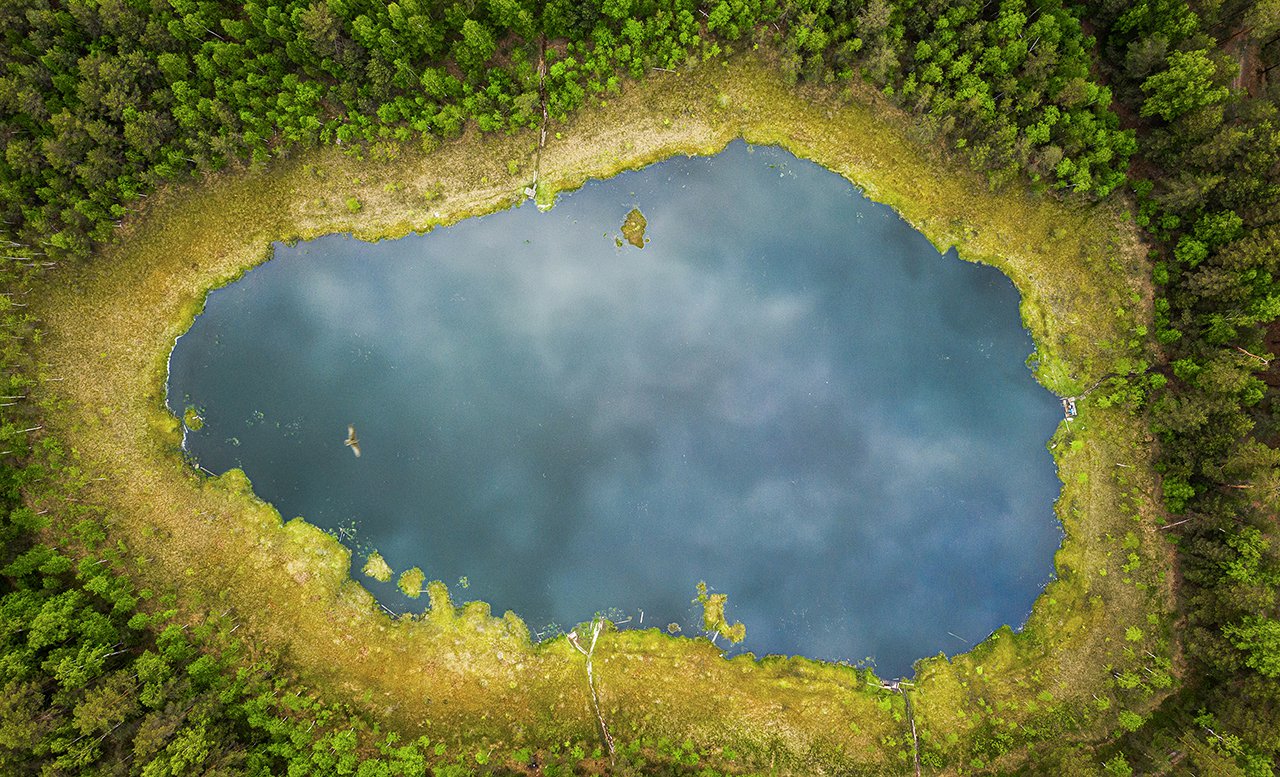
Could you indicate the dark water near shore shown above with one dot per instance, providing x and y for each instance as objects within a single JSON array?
[{"x": 787, "y": 393}]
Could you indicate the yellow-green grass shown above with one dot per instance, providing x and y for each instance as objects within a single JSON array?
[{"x": 463, "y": 675}]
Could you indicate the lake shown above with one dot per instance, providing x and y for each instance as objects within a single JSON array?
[{"x": 787, "y": 393}]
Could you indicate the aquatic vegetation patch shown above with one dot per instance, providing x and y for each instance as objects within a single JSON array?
[
  {"x": 633, "y": 228},
  {"x": 713, "y": 618},
  {"x": 376, "y": 567}
]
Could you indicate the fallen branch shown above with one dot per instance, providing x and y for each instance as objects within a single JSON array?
[
  {"x": 591, "y": 683},
  {"x": 1265, "y": 362}
]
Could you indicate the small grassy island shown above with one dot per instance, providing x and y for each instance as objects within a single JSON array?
[
  {"x": 193, "y": 420},
  {"x": 376, "y": 567},
  {"x": 633, "y": 228},
  {"x": 410, "y": 582},
  {"x": 1116, "y": 163}
]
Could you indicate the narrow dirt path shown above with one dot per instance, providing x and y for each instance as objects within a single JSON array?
[{"x": 532, "y": 190}]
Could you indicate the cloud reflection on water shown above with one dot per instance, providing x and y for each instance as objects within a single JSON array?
[{"x": 787, "y": 393}]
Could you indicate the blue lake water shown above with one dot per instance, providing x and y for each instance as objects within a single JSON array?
[{"x": 787, "y": 393}]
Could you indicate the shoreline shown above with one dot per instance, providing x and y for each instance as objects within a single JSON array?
[
  {"x": 1010, "y": 603},
  {"x": 291, "y": 578}
]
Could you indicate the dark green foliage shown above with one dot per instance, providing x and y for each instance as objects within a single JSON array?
[
  {"x": 102, "y": 101},
  {"x": 1009, "y": 82},
  {"x": 88, "y": 689},
  {"x": 1211, "y": 205},
  {"x": 99, "y": 103}
]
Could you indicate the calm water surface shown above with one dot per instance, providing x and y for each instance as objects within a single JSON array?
[{"x": 787, "y": 393}]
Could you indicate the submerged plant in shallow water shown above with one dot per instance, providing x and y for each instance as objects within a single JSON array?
[{"x": 713, "y": 619}]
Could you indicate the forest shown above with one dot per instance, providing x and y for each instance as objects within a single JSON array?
[{"x": 1166, "y": 102}]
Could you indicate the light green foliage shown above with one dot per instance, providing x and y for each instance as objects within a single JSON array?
[
  {"x": 1250, "y": 564},
  {"x": 1177, "y": 492},
  {"x": 1259, "y": 638},
  {"x": 985, "y": 78},
  {"x": 100, "y": 679},
  {"x": 476, "y": 46},
  {"x": 353, "y": 204},
  {"x": 1188, "y": 83},
  {"x": 1130, "y": 721}
]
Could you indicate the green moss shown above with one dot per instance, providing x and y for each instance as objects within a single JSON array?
[
  {"x": 376, "y": 566},
  {"x": 410, "y": 582},
  {"x": 191, "y": 417}
]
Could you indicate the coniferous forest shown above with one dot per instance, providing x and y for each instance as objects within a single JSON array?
[{"x": 1171, "y": 103}]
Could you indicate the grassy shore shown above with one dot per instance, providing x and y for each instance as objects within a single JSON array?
[{"x": 476, "y": 681}]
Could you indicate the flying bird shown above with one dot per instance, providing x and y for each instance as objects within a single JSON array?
[{"x": 352, "y": 441}]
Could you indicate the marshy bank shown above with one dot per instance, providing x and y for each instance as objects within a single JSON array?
[{"x": 108, "y": 332}]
